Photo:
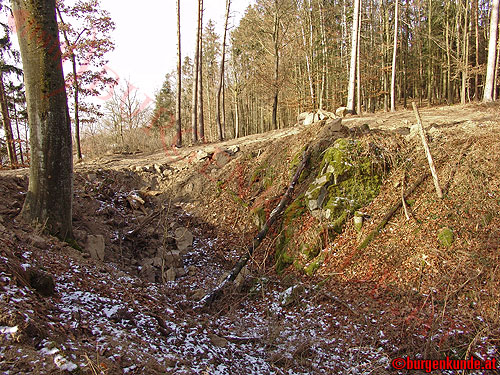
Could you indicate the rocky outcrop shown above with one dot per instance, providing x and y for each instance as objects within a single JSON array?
[{"x": 348, "y": 178}]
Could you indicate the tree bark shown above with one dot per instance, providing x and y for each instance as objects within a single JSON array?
[
  {"x": 196, "y": 75},
  {"x": 394, "y": 54},
  {"x": 354, "y": 53},
  {"x": 50, "y": 192},
  {"x": 201, "y": 119},
  {"x": 178, "y": 123},
  {"x": 220, "y": 120},
  {"x": 76, "y": 87},
  {"x": 7, "y": 125},
  {"x": 489, "y": 86}
]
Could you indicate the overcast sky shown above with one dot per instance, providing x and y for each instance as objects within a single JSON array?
[{"x": 146, "y": 36}]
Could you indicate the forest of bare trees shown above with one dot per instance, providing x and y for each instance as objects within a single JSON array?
[
  {"x": 290, "y": 56},
  {"x": 284, "y": 57}
]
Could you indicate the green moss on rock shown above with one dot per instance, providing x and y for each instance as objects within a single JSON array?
[
  {"x": 446, "y": 237},
  {"x": 347, "y": 179}
]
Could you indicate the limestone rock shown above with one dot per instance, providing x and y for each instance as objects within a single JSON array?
[
  {"x": 42, "y": 282},
  {"x": 341, "y": 112},
  {"x": 233, "y": 150},
  {"x": 180, "y": 272},
  {"x": 95, "y": 246},
  {"x": 402, "y": 130},
  {"x": 198, "y": 294},
  {"x": 301, "y": 117},
  {"x": 218, "y": 341},
  {"x": 148, "y": 273},
  {"x": 184, "y": 239},
  {"x": 135, "y": 200},
  {"x": 221, "y": 158},
  {"x": 311, "y": 118},
  {"x": 170, "y": 275},
  {"x": 291, "y": 295}
]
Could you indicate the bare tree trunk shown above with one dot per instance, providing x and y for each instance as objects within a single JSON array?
[
  {"x": 476, "y": 29},
  {"x": 465, "y": 59},
  {"x": 489, "y": 86},
  {"x": 16, "y": 116},
  {"x": 274, "y": 119},
  {"x": 394, "y": 54},
  {"x": 178, "y": 123},
  {"x": 201, "y": 120},
  {"x": 221, "y": 77},
  {"x": 50, "y": 191},
  {"x": 7, "y": 126},
  {"x": 358, "y": 69},
  {"x": 354, "y": 53},
  {"x": 325, "y": 54},
  {"x": 194, "y": 109}
]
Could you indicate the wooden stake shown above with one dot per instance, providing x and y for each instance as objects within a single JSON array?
[{"x": 427, "y": 151}]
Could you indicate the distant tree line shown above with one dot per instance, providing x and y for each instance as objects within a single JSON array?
[{"x": 290, "y": 56}]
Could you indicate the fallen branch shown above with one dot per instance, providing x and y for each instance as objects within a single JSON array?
[
  {"x": 217, "y": 291},
  {"x": 403, "y": 202},
  {"x": 391, "y": 212},
  {"x": 427, "y": 152}
]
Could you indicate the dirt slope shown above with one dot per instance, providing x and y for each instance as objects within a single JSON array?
[{"x": 62, "y": 311}]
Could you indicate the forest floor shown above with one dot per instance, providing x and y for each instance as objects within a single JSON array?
[{"x": 64, "y": 309}]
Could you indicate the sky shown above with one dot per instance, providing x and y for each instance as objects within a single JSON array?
[{"x": 146, "y": 37}]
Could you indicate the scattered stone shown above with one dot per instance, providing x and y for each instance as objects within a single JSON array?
[
  {"x": 202, "y": 155},
  {"x": 135, "y": 200},
  {"x": 446, "y": 237},
  {"x": 341, "y": 112},
  {"x": 42, "y": 282},
  {"x": 157, "y": 261},
  {"x": 170, "y": 275},
  {"x": 334, "y": 125},
  {"x": 232, "y": 150},
  {"x": 358, "y": 221},
  {"x": 92, "y": 177},
  {"x": 184, "y": 239},
  {"x": 147, "y": 262},
  {"x": 221, "y": 158},
  {"x": 180, "y": 272},
  {"x": 96, "y": 247},
  {"x": 402, "y": 130},
  {"x": 301, "y": 118},
  {"x": 311, "y": 118},
  {"x": 148, "y": 273},
  {"x": 291, "y": 295},
  {"x": 37, "y": 241},
  {"x": 192, "y": 270},
  {"x": 158, "y": 168},
  {"x": 218, "y": 341},
  {"x": 198, "y": 294}
]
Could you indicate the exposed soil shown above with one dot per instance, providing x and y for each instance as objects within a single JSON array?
[{"x": 405, "y": 294}]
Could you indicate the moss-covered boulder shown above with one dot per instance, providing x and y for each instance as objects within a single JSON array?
[
  {"x": 348, "y": 178},
  {"x": 446, "y": 237}
]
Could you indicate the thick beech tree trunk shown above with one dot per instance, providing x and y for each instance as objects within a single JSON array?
[
  {"x": 354, "y": 54},
  {"x": 50, "y": 192},
  {"x": 489, "y": 86}
]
